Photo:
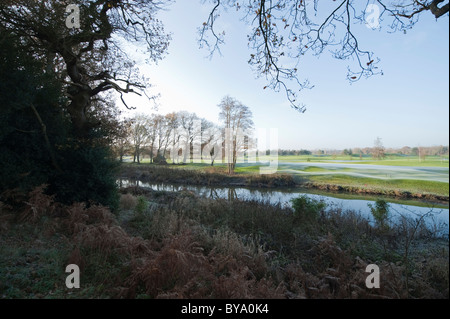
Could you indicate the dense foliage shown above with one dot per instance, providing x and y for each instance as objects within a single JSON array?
[{"x": 37, "y": 144}]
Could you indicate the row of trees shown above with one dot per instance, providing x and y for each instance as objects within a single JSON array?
[
  {"x": 183, "y": 136},
  {"x": 283, "y": 152},
  {"x": 378, "y": 151},
  {"x": 420, "y": 150},
  {"x": 156, "y": 135}
]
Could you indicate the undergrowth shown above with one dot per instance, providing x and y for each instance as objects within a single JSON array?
[{"x": 166, "y": 245}]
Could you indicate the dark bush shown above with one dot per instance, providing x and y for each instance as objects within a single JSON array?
[{"x": 37, "y": 145}]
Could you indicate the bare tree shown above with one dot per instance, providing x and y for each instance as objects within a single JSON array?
[
  {"x": 88, "y": 60},
  {"x": 237, "y": 119},
  {"x": 190, "y": 125},
  {"x": 161, "y": 132},
  {"x": 121, "y": 143},
  {"x": 212, "y": 142},
  {"x": 378, "y": 151},
  {"x": 422, "y": 154},
  {"x": 405, "y": 150},
  {"x": 284, "y": 31},
  {"x": 176, "y": 140},
  {"x": 139, "y": 135},
  {"x": 171, "y": 121},
  {"x": 152, "y": 129}
]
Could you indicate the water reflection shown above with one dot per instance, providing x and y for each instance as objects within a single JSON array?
[{"x": 283, "y": 197}]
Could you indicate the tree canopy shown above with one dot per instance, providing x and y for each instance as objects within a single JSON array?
[
  {"x": 37, "y": 145},
  {"x": 237, "y": 120},
  {"x": 88, "y": 60},
  {"x": 284, "y": 31}
]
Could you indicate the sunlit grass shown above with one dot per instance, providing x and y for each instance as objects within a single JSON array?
[
  {"x": 409, "y": 185},
  {"x": 251, "y": 169},
  {"x": 429, "y": 162},
  {"x": 390, "y": 160},
  {"x": 345, "y": 176},
  {"x": 314, "y": 169}
]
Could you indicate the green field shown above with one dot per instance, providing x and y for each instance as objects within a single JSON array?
[
  {"x": 402, "y": 173},
  {"x": 391, "y": 160},
  {"x": 409, "y": 185}
]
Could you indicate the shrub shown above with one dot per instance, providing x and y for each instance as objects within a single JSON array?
[
  {"x": 305, "y": 207},
  {"x": 380, "y": 212},
  {"x": 88, "y": 175},
  {"x": 159, "y": 159},
  {"x": 141, "y": 205}
]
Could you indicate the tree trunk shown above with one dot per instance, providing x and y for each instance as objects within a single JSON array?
[
  {"x": 137, "y": 154},
  {"x": 79, "y": 93},
  {"x": 186, "y": 150},
  {"x": 47, "y": 141},
  {"x": 77, "y": 111}
]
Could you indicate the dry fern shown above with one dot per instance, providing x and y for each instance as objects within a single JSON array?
[{"x": 37, "y": 205}]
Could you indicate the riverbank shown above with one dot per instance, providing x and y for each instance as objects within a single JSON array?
[
  {"x": 382, "y": 191},
  {"x": 192, "y": 174},
  {"x": 210, "y": 176}
]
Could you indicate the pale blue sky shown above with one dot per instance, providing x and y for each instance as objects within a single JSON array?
[{"x": 407, "y": 106}]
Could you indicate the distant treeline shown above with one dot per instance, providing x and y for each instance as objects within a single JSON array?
[
  {"x": 292, "y": 152},
  {"x": 406, "y": 150}
]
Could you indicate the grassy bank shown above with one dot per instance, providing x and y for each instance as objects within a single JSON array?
[
  {"x": 403, "y": 188},
  {"x": 198, "y": 174},
  {"x": 177, "y": 245},
  {"x": 248, "y": 176}
]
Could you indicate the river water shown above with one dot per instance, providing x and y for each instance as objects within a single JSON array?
[{"x": 439, "y": 213}]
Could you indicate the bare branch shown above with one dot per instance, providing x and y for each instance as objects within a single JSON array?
[{"x": 283, "y": 32}]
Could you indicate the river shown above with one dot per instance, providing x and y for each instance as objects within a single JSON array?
[{"x": 359, "y": 203}]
